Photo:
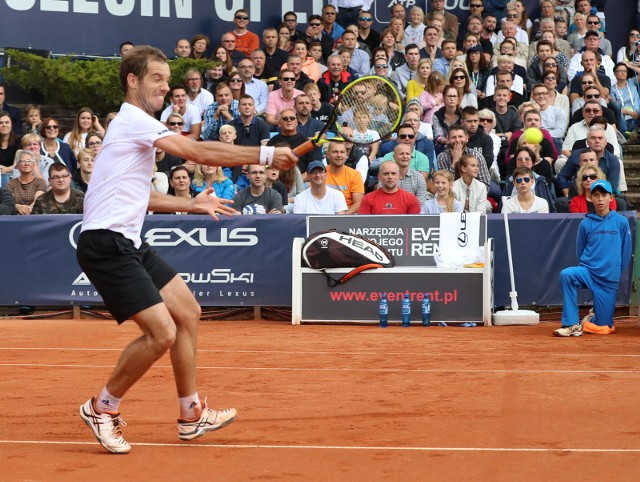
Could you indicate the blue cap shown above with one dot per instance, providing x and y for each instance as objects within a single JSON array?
[
  {"x": 316, "y": 164},
  {"x": 602, "y": 184}
]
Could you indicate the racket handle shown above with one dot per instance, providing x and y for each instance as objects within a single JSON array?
[{"x": 302, "y": 149}]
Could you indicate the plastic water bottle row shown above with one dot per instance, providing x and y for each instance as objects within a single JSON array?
[{"x": 383, "y": 310}]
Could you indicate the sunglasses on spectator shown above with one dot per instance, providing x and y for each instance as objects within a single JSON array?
[
  {"x": 235, "y": 80},
  {"x": 592, "y": 111},
  {"x": 315, "y": 24},
  {"x": 288, "y": 119},
  {"x": 512, "y": 16},
  {"x": 520, "y": 180},
  {"x": 485, "y": 120},
  {"x": 587, "y": 82},
  {"x": 592, "y": 177},
  {"x": 475, "y": 5},
  {"x": 593, "y": 22},
  {"x": 288, "y": 79},
  {"x": 406, "y": 136},
  {"x": 59, "y": 178},
  {"x": 51, "y": 127},
  {"x": 173, "y": 124},
  {"x": 366, "y": 19},
  {"x": 551, "y": 65},
  {"x": 380, "y": 66},
  {"x": 592, "y": 96},
  {"x": 242, "y": 17},
  {"x": 458, "y": 77}
]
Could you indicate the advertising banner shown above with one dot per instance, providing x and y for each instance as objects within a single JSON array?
[
  {"x": 97, "y": 27},
  {"x": 234, "y": 262},
  {"x": 246, "y": 260}
]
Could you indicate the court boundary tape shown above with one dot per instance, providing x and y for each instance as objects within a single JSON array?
[
  {"x": 338, "y": 352},
  {"x": 335, "y": 369},
  {"x": 339, "y": 447}
]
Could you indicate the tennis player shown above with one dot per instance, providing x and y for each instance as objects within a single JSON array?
[{"x": 134, "y": 282}]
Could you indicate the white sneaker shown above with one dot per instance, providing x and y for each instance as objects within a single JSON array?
[
  {"x": 573, "y": 330},
  {"x": 208, "y": 420},
  {"x": 106, "y": 427}
]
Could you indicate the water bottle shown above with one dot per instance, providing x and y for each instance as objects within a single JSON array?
[
  {"x": 426, "y": 310},
  {"x": 383, "y": 310},
  {"x": 406, "y": 311}
]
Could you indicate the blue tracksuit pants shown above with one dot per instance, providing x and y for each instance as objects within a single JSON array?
[{"x": 604, "y": 297}]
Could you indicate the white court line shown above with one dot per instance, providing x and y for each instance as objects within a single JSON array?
[
  {"x": 341, "y": 447},
  {"x": 339, "y": 352},
  {"x": 333, "y": 369}
]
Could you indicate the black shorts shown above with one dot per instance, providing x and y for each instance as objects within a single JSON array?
[{"x": 129, "y": 279}]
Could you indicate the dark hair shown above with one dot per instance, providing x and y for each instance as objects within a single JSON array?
[
  {"x": 289, "y": 13},
  {"x": 532, "y": 155},
  {"x": 458, "y": 127},
  {"x": 137, "y": 61},
  {"x": 58, "y": 166},
  {"x": 469, "y": 110},
  {"x": 177, "y": 87}
]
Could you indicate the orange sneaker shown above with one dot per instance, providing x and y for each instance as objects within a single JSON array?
[{"x": 588, "y": 327}]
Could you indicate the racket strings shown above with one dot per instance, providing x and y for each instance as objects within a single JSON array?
[{"x": 369, "y": 105}]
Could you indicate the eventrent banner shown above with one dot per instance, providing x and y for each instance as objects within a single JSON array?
[{"x": 246, "y": 260}]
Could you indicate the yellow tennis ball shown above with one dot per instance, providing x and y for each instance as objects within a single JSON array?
[{"x": 533, "y": 135}]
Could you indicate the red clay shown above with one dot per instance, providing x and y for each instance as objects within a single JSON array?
[{"x": 332, "y": 403}]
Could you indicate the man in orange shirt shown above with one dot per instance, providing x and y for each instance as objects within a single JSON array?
[
  {"x": 246, "y": 41},
  {"x": 344, "y": 178}
]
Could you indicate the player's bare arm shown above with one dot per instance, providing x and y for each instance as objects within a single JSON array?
[
  {"x": 203, "y": 203},
  {"x": 218, "y": 153}
]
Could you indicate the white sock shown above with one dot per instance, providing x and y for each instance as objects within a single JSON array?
[
  {"x": 107, "y": 402},
  {"x": 190, "y": 407}
]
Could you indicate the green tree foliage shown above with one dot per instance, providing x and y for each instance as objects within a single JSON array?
[{"x": 75, "y": 83}]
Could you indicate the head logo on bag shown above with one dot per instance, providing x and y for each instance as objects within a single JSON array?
[{"x": 334, "y": 249}]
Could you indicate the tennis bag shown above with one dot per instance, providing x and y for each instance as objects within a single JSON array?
[{"x": 335, "y": 249}]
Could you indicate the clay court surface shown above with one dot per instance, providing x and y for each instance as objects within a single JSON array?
[{"x": 332, "y": 403}]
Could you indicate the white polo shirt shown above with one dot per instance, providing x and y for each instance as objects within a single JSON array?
[
  {"x": 191, "y": 116},
  {"x": 118, "y": 194}
]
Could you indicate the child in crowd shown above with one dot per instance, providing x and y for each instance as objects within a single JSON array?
[
  {"x": 431, "y": 99},
  {"x": 471, "y": 193},
  {"x": 363, "y": 134},
  {"x": 445, "y": 201},
  {"x": 604, "y": 248},
  {"x": 32, "y": 114},
  {"x": 524, "y": 201}
]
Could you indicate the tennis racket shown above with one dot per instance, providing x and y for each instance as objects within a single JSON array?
[{"x": 369, "y": 103}]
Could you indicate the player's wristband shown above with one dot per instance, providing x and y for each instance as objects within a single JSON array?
[{"x": 266, "y": 155}]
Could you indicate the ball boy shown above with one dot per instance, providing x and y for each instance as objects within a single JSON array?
[{"x": 604, "y": 250}]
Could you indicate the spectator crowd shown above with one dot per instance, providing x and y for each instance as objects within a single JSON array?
[{"x": 470, "y": 90}]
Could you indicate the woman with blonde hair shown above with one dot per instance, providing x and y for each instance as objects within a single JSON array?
[
  {"x": 212, "y": 176},
  {"x": 445, "y": 201},
  {"x": 586, "y": 176},
  {"x": 86, "y": 121},
  {"x": 417, "y": 85},
  {"x": 396, "y": 25}
]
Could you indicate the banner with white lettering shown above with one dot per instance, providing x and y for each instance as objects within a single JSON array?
[
  {"x": 246, "y": 260},
  {"x": 97, "y": 27}
]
